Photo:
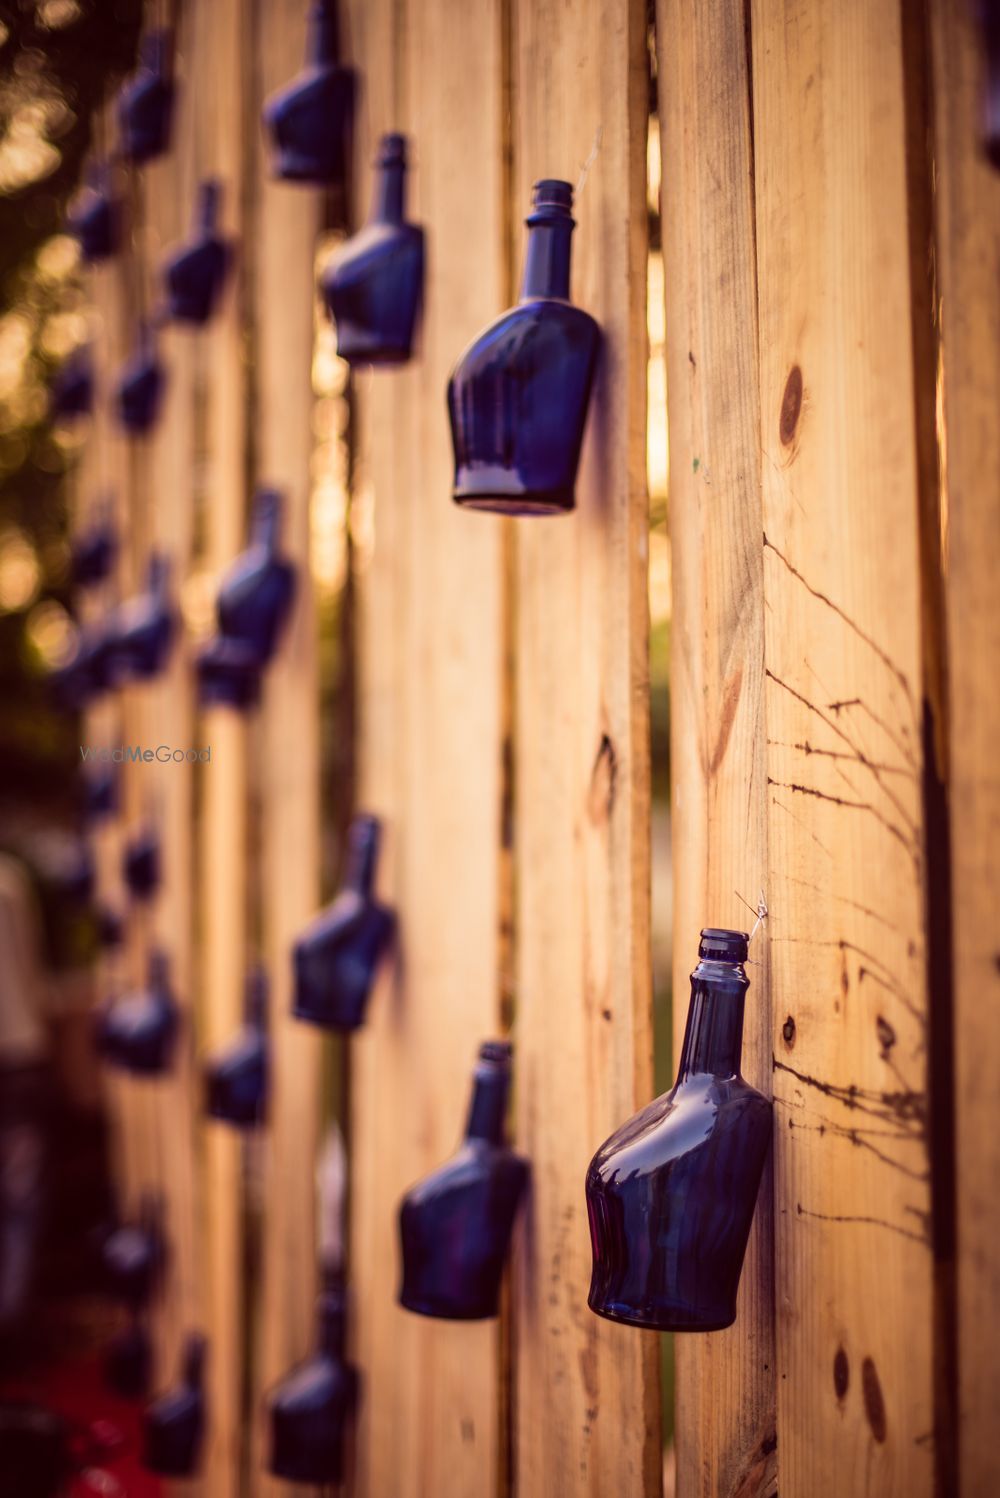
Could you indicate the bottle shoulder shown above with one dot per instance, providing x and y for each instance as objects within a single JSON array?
[
  {"x": 317, "y": 84},
  {"x": 348, "y": 915},
  {"x": 476, "y": 1167},
  {"x": 678, "y": 1123},
  {"x": 372, "y": 247},
  {"x": 318, "y": 1382},
  {"x": 527, "y": 332}
]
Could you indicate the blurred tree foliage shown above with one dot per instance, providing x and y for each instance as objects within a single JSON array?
[{"x": 58, "y": 61}]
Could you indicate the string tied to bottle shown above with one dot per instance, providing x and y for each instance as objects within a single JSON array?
[
  {"x": 592, "y": 157},
  {"x": 760, "y": 912}
]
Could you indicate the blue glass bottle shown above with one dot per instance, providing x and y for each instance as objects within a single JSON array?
[
  {"x": 100, "y": 793},
  {"x": 195, "y": 274},
  {"x": 146, "y": 102},
  {"x": 254, "y": 601},
  {"x": 671, "y": 1194},
  {"x": 455, "y": 1226},
  {"x": 336, "y": 957},
  {"x": 133, "y": 1256},
  {"x": 143, "y": 628},
  {"x": 137, "y": 1032},
  {"x": 76, "y": 874},
  {"x": 94, "y": 217},
  {"x": 309, "y": 1410},
  {"x": 72, "y": 390},
  {"x": 236, "y": 1078},
  {"x": 372, "y": 286},
  {"x": 89, "y": 671},
  {"x": 174, "y": 1424},
  {"x": 309, "y": 120},
  {"x": 93, "y": 553},
  {"x": 139, "y": 393},
  {"x": 141, "y": 863},
  {"x": 518, "y": 396},
  {"x": 109, "y": 925},
  {"x": 128, "y": 1361}
]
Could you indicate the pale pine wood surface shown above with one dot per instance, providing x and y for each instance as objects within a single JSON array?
[
  {"x": 725, "y": 1415},
  {"x": 283, "y": 229},
  {"x": 221, "y": 54},
  {"x": 844, "y": 761},
  {"x": 169, "y": 187},
  {"x": 585, "y": 1401},
  {"x": 431, "y": 644}
]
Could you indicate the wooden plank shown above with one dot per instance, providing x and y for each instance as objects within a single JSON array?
[
  {"x": 583, "y": 1021},
  {"x": 430, "y": 703},
  {"x": 845, "y": 821},
  {"x": 169, "y": 492},
  {"x": 221, "y": 50},
  {"x": 105, "y": 284},
  {"x": 968, "y": 221},
  {"x": 284, "y": 231},
  {"x": 725, "y": 1425}
]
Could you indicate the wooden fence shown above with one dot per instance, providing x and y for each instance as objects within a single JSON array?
[{"x": 830, "y": 241}]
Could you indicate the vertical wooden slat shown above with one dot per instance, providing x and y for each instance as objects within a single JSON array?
[
  {"x": 107, "y": 721},
  {"x": 222, "y": 58},
  {"x": 968, "y": 267},
  {"x": 132, "y": 453},
  {"x": 725, "y": 1427},
  {"x": 583, "y": 1002},
  {"x": 169, "y": 493},
  {"x": 430, "y": 747},
  {"x": 285, "y": 229},
  {"x": 844, "y": 765}
]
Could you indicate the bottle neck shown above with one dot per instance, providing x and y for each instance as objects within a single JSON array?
[
  {"x": 266, "y": 521},
  {"x": 255, "y": 1000},
  {"x": 713, "y": 1036},
  {"x": 332, "y": 1325},
  {"x": 194, "y": 1362},
  {"x": 546, "y": 266},
  {"x": 153, "y": 52},
  {"x": 387, "y": 199},
  {"x": 158, "y": 573},
  {"x": 207, "y": 212},
  {"x": 158, "y": 972},
  {"x": 488, "y": 1108},
  {"x": 362, "y": 856},
  {"x": 322, "y": 46}
]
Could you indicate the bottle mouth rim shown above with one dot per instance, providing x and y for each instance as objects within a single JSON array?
[
  {"x": 499, "y": 1052},
  {"x": 722, "y": 942}
]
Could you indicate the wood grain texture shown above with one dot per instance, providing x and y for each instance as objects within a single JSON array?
[
  {"x": 586, "y": 1402},
  {"x": 430, "y": 597},
  {"x": 968, "y": 263},
  {"x": 169, "y": 489},
  {"x": 284, "y": 230},
  {"x": 222, "y": 56},
  {"x": 102, "y": 483},
  {"x": 845, "y": 820},
  {"x": 725, "y": 1417}
]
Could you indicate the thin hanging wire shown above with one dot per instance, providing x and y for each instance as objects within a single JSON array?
[
  {"x": 588, "y": 164},
  {"x": 761, "y": 916}
]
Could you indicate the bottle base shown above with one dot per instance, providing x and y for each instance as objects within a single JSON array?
[
  {"x": 341, "y": 1024},
  {"x": 306, "y": 171},
  {"x": 551, "y": 502},
  {"x": 375, "y": 358},
  {"x": 443, "y": 1311},
  {"x": 661, "y": 1319}
]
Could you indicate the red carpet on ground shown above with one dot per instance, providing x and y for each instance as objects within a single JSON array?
[{"x": 107, "y": 1430}]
